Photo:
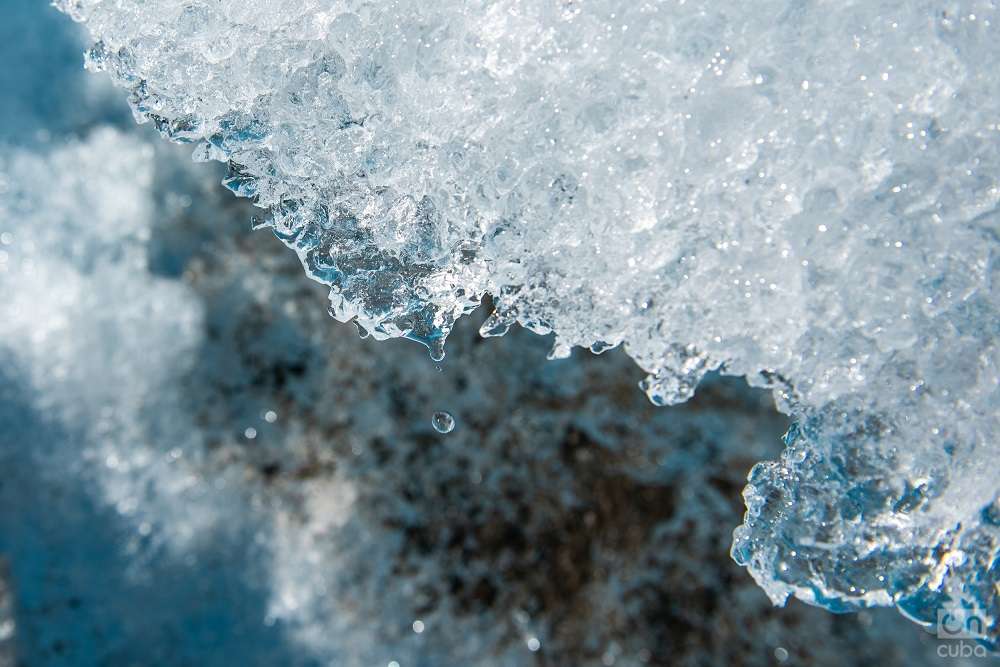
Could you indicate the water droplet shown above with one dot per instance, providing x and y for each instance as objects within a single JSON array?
[{"x": 443, "y": 422}]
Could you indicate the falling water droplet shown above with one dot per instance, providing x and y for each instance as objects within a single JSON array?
[
  {"x": 436, "y": 349},
  {"x": 443, "y": 422}
]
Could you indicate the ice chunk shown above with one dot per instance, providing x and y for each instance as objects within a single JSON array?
[
  {"x": 566, "y": 517},
  {"x": 853, "y": 516},
  {"x": 801, "y": 193},
  {"x": 120, "y": 442}
]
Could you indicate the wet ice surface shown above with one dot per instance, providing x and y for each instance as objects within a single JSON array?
[
  {"x": 802, "y": 194},
  {"x": 566, "y": 522},
  {"x": 860, "y": 183},
  {"x": 144, "y": 334}
]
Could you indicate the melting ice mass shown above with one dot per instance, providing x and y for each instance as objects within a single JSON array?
[{"x": 801, "y": 193}]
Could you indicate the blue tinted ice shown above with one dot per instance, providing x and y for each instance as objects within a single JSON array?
[{"x": 802, "y": 193}]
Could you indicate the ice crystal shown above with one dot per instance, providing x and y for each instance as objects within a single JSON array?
[{"x": 802, "y": 193}]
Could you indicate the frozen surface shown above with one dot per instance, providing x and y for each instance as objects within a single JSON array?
[
  {"x": 804, "y": 193},
  {"x": 195, "y": 470}
]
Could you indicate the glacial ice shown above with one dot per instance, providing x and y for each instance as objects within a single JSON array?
[{"x": 803, "y": 193}]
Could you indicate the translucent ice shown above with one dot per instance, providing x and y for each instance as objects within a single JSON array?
[
  {"x": 129, "y": 385},
  {"x": 566, "y": 522},
  {"x": 804, "y": 193}
]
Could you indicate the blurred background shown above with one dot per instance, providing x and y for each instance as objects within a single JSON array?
[{"x": 199, "y": 467}]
